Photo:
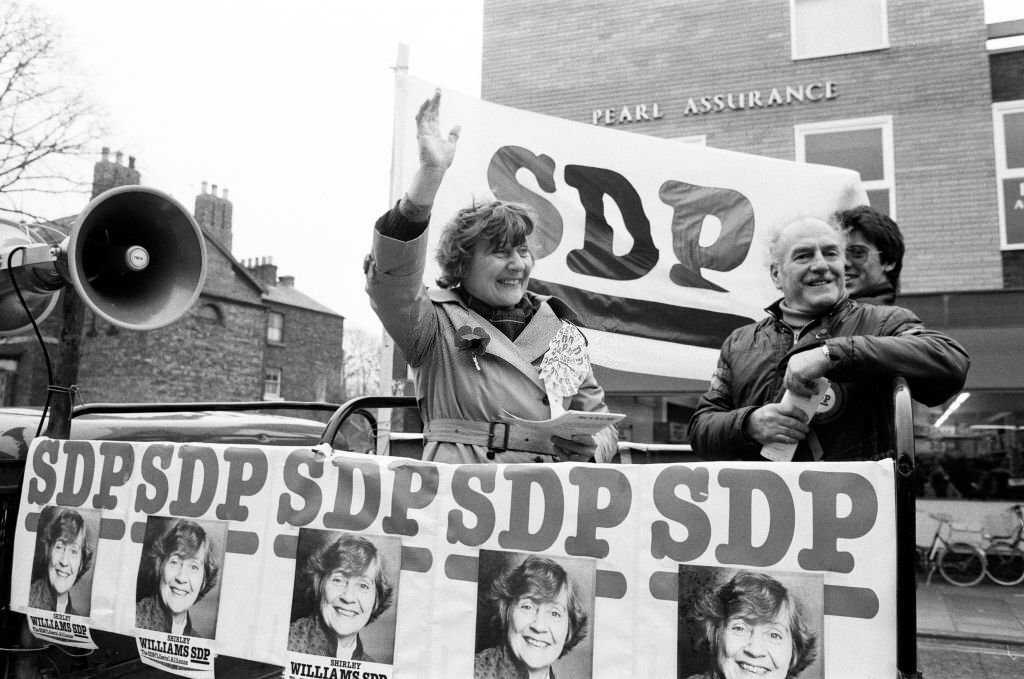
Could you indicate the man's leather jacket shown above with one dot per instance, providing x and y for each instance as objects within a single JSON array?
[{"x": 869, "y": 346}]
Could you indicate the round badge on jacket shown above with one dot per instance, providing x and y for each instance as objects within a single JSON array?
[{"x": 832, "y": 403}]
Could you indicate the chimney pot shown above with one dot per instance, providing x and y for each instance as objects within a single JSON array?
[
  {"x": 225, "y": 194},
  {"x": 214, "y": 189},
  {"x": 105, "y": 152},
  {"x": 117, "y": 157},
  {"x": 131, "y": 162},
  {"x": 204, "y": 188}
]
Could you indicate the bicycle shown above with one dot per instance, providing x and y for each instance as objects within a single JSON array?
[
  {"x": 1003, "y": 554},
  {"x": 959, "y": 563}
]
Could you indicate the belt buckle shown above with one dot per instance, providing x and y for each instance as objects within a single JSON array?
[{"x": 492, "y": 447}]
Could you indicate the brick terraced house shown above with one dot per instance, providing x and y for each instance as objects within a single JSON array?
[{"x": 251, "y": 335}]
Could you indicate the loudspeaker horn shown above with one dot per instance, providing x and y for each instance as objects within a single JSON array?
[{"x": 134, "y": 255}]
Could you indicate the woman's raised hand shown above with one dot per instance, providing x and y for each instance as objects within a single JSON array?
[{"x": 436, "y": 152}]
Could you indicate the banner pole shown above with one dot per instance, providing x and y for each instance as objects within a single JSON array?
[
  {"x": 906, "y": 549},
  {"x": 389, "y": 362}
]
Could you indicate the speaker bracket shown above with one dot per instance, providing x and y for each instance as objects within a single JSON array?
[{"x": 34, "y": 253}]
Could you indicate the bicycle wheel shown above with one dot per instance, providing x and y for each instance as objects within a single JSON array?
[
  {"x": 962, "y": 564},
  {"x": 1004, "y": 564}
]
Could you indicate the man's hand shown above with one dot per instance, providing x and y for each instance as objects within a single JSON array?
[
  {"x": 776, "y": 423},
  {"x": 436, "y": 152},
  {"x": 803, "y": 371},
  {"x": 576, "y": 449}
]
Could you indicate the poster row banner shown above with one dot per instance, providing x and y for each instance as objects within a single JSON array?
[{"x": 363, "y": 566}]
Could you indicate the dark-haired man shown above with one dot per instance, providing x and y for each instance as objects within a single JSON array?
[{"x": 874, "y": 255}]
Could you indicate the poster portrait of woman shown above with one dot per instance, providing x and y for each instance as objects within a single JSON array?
[
  {"x": 177, "y": 589},
  {"x": 66, "y": 541},
  {"x": 534, "y": 616},
  {"x": 740, "y": 623},
  {"x": 344, "y": 595}
]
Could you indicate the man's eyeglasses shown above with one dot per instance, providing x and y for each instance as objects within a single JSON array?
[{"x": 859, "y": 253}]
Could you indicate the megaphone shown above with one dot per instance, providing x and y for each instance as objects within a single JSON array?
[{"x": 134, "y": 255}]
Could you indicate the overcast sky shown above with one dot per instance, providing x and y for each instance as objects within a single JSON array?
[{"x": 286, "y": 103}]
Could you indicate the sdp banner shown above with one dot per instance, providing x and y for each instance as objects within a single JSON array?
[
  {"x": 364, "y": 566},
  {"x": 659, "y": 246}
]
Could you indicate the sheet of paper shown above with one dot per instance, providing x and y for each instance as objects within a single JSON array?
[
  {"x": 568, "y": 424},
  {"x": 783, "y": 452}
]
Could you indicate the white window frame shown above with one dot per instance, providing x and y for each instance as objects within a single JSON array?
[
  {"x": 999, "y": 109},
  {"x": 269, "y": 395},
  {"x": 271, "y": 315},
  {"x": 796, "y": 56},
  {"x": 888, "y": 182}
]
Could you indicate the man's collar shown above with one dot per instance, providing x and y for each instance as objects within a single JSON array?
[
  {"x": 775, "y": 308},
  {"x": 883, "y": 293}
]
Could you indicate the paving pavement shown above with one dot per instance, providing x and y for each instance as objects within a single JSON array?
[{"x": 985, "y": 612}]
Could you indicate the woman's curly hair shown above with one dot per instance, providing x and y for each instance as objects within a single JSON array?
[
  {"x": 757, "y": 598},
  {"x": 540, "y": 579},
  {"x": 67, "y": 524},
  {"x": 187, "y": 538},
  {"x": 352, "y": 555},
  {"x": 502, "y": 225}
]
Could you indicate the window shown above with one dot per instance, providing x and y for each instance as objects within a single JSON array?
[
  {"x": 821, "y": 28},
  {"x": 8, "y": 373},
  {"x": 1009, "y": 142},
  {"x": 210, "y": 313},
  {"x": 275, "y": 327},
  {"x": 272, "y": 384},
  {"x": 863, "y": 144}
]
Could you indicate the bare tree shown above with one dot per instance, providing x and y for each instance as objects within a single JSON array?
[
  {"x": 46, "y": 121},
  {"x": 362, "y": 363}
]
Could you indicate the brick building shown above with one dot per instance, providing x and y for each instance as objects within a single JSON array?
[
  {"x": 251, "y": 335},
  {"x": 908, "y": 92}
]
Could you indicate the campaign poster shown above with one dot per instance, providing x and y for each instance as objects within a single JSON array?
[
  {"x": 620, "y": 533},
  {"x": 738, "y": 622},
  {"x": 60, "y": 593},
  {"x": 177, "y": 594},
  {"x": 344, "y": 602},
  {"x": 534, "y": 611}
]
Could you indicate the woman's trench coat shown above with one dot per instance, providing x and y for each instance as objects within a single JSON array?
[{"x": 450, "y": 387}]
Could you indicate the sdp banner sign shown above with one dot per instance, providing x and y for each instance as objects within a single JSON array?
[
  {"x": 658, "y": 245},
  {"x": 366, "y": 566}
]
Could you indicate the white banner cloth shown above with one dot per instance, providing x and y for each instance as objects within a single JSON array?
[
  {"x": 660, "y": 246},
  {"x": 640, "y": 545}
]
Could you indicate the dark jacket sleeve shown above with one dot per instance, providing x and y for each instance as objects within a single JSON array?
[
  {"x": 403, "y": 222},
  {"x": 716, "y": 428},
  {"x": 935, "y": 365}
]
